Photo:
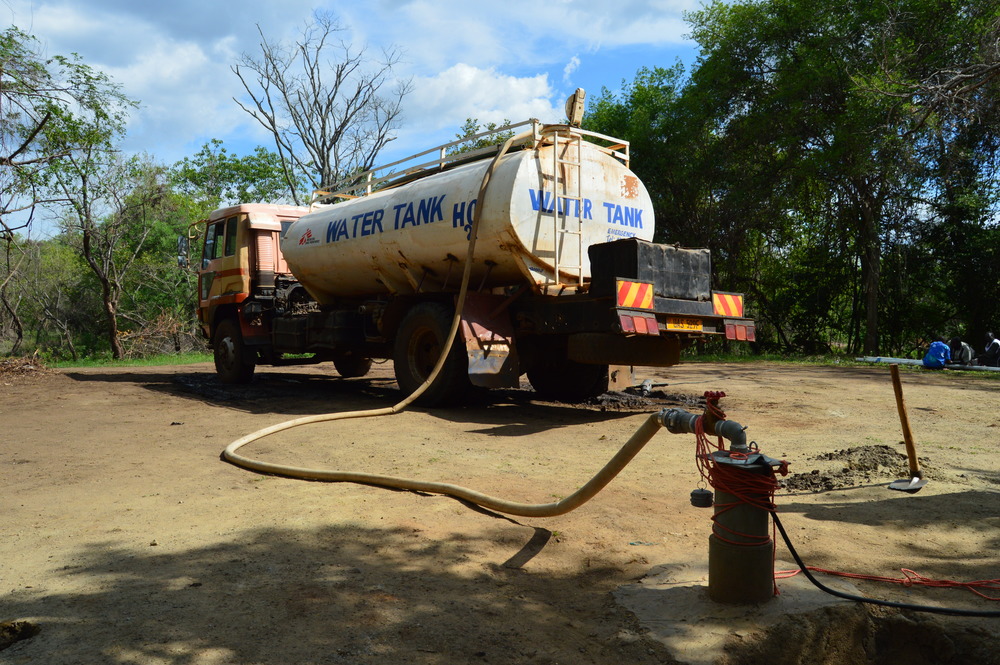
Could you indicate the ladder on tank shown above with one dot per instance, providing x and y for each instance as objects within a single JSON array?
[{"x": 567, "y": 205}]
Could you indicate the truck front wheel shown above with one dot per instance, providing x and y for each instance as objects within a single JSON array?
[
  {"x": 233, "y": 362},
  {"x": 419, "y": 342}
]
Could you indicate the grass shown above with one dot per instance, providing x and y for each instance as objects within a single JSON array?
[
  {"x": 691, "y": 357},
  {"x": 152, "y": 361},
  {"x": 686, "y": 357}
]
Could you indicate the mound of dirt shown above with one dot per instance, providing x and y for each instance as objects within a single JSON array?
[{"x": 860, "y": 465}]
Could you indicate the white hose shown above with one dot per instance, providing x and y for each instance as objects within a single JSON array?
[
  {"x": 635, "y": 443},
  {"x": 582, "y": 495}
]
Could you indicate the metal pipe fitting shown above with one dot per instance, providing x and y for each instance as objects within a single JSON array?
[
  {"x": 679, "y": 421},
  {"x": 736, "y": 433}
]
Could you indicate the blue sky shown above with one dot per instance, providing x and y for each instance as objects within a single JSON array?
[{"x": 514, "y": 59}]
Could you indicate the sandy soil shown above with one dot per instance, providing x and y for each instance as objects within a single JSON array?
[{"x": 125, "y": 539}]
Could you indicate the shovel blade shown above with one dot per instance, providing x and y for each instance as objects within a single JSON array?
[{"x": 912, "y": 485}]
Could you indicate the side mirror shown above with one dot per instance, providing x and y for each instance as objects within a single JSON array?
[{"x": 183, "y": 248}]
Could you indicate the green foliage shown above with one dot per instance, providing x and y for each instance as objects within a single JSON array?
[
  {"x": 213, "y": 177},
  {"x": 472, "y": 127},
  {"x": 51, "y": 109},
  {"x": 839, "y": 159}
]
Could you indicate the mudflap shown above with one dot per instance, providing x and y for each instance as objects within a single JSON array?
[
  {"x": 611, "y": 349},
  {"x": 489, "y": 340}
]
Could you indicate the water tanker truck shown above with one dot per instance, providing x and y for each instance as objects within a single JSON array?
[{"x": 563, "y": 279}]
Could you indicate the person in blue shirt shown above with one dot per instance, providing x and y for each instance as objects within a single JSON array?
[{"x": 937, "y": 355}]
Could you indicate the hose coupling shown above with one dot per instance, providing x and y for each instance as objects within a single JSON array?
[{"x": 679, "y": 421}]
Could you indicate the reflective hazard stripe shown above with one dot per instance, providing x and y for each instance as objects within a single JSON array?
[
  {"x": 728, "y": 304},
  {"x": 635, "y": 295}
]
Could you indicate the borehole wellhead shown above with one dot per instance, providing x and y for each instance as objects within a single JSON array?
[{"x": 740, "y": 549}]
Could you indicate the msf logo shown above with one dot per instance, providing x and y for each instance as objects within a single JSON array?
[{"x": 307, "y": 238}]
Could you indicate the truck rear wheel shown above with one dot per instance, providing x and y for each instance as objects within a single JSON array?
[
  {"x": 556, "y": 377},
  {"x": 351, "y": 365},
  {"x": 419, "y": 342},
  {"x": 233, "y": 362}
]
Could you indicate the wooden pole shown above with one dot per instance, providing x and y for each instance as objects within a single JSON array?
[{"x": 904, "y": 420}]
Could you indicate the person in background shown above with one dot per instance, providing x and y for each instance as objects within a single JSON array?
[
  {"x": 937, "y": 355},
  {"x": 961, "y": 352},
  {"x": 990, "y": 357}
]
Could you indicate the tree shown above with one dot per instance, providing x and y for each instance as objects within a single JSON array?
[
  {"x": 55, "y": 111},
  {"x": 55, "y": 283},
  {"x": 38, "y": 96},
  {"x": 944, "y": 67},
  {"x": 11, "y": 324},
  {"x": 472, "y": 127},
  {"x": 111, "y": 202},
  {"x": 840, "y": 161},
  {"x": 327, "y": 105},
  {"x": 780, "y": 82},
  {"x": 214, "y": 177}
]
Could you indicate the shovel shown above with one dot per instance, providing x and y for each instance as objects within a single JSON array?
[{"x": 916, "y": 480}]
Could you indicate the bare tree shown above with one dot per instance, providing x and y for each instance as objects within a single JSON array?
[
  {"x": 13, "y": 257},
  {"x": 329, "y": 107},
  {"x": 48, "y": 282}
]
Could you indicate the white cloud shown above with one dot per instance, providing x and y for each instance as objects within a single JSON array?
[
  {"x": 439, "y": 105},
  {"x": 492, "y": 61},
  {"x": 571, "y": 66},
  {"x": 524, "y": 30},
  {"x": 463, "y": 91}
]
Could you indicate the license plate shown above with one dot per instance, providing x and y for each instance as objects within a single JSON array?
[{"x": 684, "y": 324}]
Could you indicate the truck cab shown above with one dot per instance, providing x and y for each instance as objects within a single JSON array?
[{"x": 240, "y": 274}]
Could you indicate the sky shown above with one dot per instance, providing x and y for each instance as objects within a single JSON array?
[{"x": 491, "y": 61}]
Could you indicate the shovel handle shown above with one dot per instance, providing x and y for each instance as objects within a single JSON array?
[{"x": 904, "y": 420}]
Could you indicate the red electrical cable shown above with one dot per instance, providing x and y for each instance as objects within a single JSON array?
[{"x": 909, "y": 578}]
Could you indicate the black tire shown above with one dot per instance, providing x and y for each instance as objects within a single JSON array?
[
  {"x": 350, "y": 365},
  {"x": 419, "y": 341},
  {"x": 555, "y": 377},
  {"x": 233, "y": 362}
]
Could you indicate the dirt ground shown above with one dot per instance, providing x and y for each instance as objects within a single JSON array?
[{"x": 125, "y": 538}]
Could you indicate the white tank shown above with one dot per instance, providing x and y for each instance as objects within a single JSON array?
[{"x": 415, "y": 237}]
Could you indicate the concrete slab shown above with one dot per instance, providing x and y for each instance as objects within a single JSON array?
[{"x": 672, "y": 603}]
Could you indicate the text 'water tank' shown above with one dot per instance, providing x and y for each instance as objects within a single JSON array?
[{"x": 415, "y": 236}]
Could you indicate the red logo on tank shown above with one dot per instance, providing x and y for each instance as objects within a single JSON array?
[{"x": 306, "y": 237}]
